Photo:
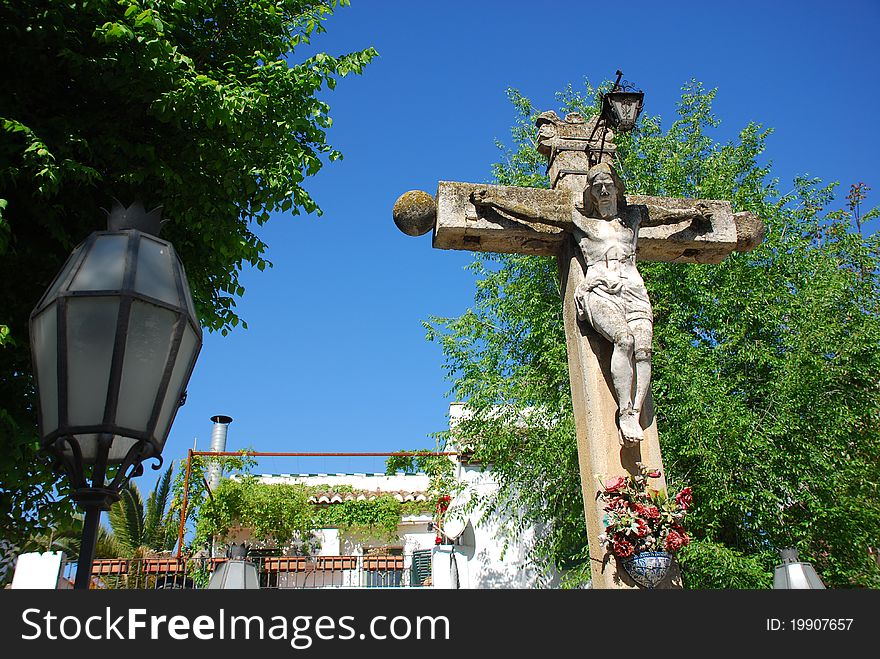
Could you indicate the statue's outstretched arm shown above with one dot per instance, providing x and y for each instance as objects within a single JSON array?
[
  {"x": 701, "y": 215},
  {"x": 484, "y": 198}
]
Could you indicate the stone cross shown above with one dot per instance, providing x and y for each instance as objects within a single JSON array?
[{"x": 596, "y": 234}]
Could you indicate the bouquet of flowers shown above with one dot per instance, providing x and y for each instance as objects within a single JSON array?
[{"x": 639, "y": 518}]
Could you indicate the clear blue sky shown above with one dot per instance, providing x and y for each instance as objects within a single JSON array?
[{"x": 335, "y": 357}]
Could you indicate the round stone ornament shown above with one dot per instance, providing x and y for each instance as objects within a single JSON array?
[{"x": 415, "y": 212}]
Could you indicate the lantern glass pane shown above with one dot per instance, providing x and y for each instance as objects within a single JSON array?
[
  {"x": 120, "y": 448},
  {"x": 625, "y": 108},
  {"x": 104, "y": 265},
  {"x": 88, "y": 443},
  {"x": 182, "y": 367},
  {"x": 148, "y": 342},
  {"x": 796, "y": 577},
  {"x": 44, "y": 342},
  {"x": 91, "y": 336},
  {"x": 155, "y": 271},
  {"x": 626, "y": 112},
  {"x": 72, "y": 260},
  {"x": 187, "y": 293}
]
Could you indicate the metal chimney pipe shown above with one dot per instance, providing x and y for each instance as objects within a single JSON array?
[{"x": 218, "y": 445}]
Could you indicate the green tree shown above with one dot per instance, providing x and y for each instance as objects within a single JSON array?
[
  {"x": 191, "y": 483},
  {"x": 766, "y": 366},
  {"x": 203, "y": 107},
  {"x": 66, "y": 535},
  {"x": 138, "y": 528}
]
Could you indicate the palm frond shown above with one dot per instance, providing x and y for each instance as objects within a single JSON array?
[
  {"x": 155, "y": 520},
  {"x": 126, "y": 518}
]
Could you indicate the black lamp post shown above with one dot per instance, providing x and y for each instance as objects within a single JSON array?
[{"x": 114, "y": 341}]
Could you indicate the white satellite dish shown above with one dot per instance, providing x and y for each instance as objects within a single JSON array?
[
  {"x": 453, "y": 527},
  {"x": 454, "y": 519}
]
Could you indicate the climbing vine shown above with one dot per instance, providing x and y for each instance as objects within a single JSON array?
[{"x": 281, "y": 515}]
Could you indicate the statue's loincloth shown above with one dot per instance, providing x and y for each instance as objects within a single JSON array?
[{"x": 631, "y": 301}]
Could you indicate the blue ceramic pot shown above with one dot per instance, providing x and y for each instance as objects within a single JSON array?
[{"x": 648, "y": 568}]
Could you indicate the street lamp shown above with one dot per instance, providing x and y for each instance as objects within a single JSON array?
[
  {"x": 114, "y": 340},
  {"x": 236, "y": 572},
  {"x": 621, "y": 108},
  {"x": 793, "y": 574}
]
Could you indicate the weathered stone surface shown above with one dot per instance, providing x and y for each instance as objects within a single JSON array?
[
  {"x": 685, "y": 241},
  {"x": 571, "y": 146},
  {"x": 460, "y": 225},
  {"x": 415, "y": 213},
  {"x": 750, "y": 231}
]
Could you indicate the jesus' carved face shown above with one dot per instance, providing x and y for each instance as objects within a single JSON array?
[{"x": 604, "y": 193}]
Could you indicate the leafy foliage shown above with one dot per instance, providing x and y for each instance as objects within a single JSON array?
[
  {"x": 706, "y": 564},
  {"x": 439, "y": 468},
  {"x": 192, "y": 485},
  {"x": 766, "y": 366},
  {"x": 138, "y": 527},
  {"x": 281, "y": 515},
  {"x": 202, "y": 107}
]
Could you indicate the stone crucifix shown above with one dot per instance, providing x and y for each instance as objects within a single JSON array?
[{"x": 597, "y": 233}]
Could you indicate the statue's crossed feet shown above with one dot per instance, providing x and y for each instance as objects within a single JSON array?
[{"x": 630, "y": 429}]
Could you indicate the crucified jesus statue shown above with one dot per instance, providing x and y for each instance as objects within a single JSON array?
[
  {"x": 595, "y": 233},
  {"x": 612, "y": 297}
]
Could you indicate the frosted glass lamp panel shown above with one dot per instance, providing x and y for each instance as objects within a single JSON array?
[
  {"x": 149, "y": 338},
  {"x": 72, "y": 260},
  {"x": 91, "y": 335},
  {"x": 88, "y": 443},
  {"x": 120, "y": 448},
  {"x": 44, "y": 340},
  {"x": 155, "y": 271},
  {"x": 104, "y": 265},
  {"x": 187, "y": 294},
  {"x": 182, "y": 367}
]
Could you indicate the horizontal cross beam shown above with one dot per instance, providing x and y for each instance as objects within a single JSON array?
[{"x": 460, "y": 225}]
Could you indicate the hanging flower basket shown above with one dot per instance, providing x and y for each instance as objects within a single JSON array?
[
  {"x": 643, "y": 526},
  {"x": 648, "y": 568}
]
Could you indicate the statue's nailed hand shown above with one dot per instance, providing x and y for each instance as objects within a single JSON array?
[
  {"x": 482, "y": 197},
  {"x": 703, "y": 218}
]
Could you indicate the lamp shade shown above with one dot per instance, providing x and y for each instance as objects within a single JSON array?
[
  {"x": 621, "y": 109},
  {"x": 114, "y": 341},
  {"x": 793, "y": 574},
  {"x": 234, "y": 574}
]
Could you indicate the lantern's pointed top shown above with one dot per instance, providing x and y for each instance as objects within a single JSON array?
[{"x": 134, "y": 217}]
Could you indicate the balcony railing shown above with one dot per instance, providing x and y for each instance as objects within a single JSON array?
[{"x": 395, "y": 571}]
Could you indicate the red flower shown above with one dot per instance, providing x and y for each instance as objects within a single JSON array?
[
  {"x": 651, "y": 512},
  {"x": 641, "y": 528},
  {"x": 621, "y": 548},
  {"x": 675, "y": 541},
  {"x": 617, "y": 504},
  {"x": 654, "y": 473},
  {"x": 614, "y": 484},
  {"x": 685, "y": 538},
  {"x": 684, "y": 498}
]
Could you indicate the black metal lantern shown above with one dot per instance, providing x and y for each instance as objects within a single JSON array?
[
  {"x": 622, "y": 106},
  {"x": 114, "y": 341},
  {"x": 793, "y": 574}
]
